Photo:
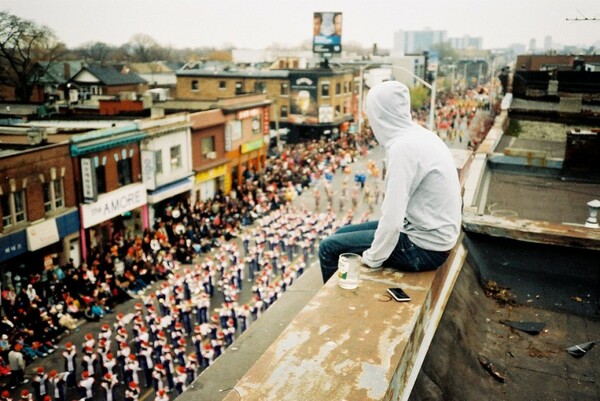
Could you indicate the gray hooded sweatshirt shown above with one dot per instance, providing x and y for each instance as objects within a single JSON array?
[{"x": 422, "y": 191}]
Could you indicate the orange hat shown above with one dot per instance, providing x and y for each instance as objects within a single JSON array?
[
  {"x": 40, "y": 369},
  {"x": 132, "y": 357},
  {"x": 108, "y": 376},
  {"x": 132, "y": 384},
  {"x": 105, "y": 327},
  {"x": 18, "y": 347},
  {"x": 24, "y": 393},
  {"x": 69, "y": 345},
  {"x": 5, "y": 394},
  {"x": 85, "y": 374},
  {"x": 47, "y": 398},
  {"x": 52, "y": 373},
  {"x": 162, "y": 391},
  {"x": 89, "y": 336},
  {"x": 181, "y": 369}
]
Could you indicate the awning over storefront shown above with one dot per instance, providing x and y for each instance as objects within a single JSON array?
[
  {"x": 12, "y": 245},
  {"x": 172, "y": 189},
  {"x": 42, "y": 234}
]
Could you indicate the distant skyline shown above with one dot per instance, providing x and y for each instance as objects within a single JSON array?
[{"x": 263, "y": 23}]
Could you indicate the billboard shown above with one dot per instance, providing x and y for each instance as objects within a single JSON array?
[
  {"x": 303, "y": 96},
  {"x": 327, "y": 32}
]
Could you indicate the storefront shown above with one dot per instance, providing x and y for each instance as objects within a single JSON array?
[
  {"x": 40, "y": 246},
  {"x": 122, "y": 211},
  {"x": 168, "y": 195},
  {"x": 208, "y": 182}
]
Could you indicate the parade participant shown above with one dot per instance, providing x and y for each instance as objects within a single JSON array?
[
  {"x": 191, "y": 368},
  {"x": 147, "y": 364},
  {"x": 208, "y": 353},
  {"x": 421, "y": 212},
  {"x": 180, "y": 351},
  {"x": 16, "y": 361},
  {"x": 109, "y": 363},
  {"x": 70, "y": 356},
  {"x": 123, "y": 356},
  {"x": 132, "y": 393},
  {"x": 5, "y": 396},
  {"x": 167, "y": 361},
  {"x": 40, "y": 384},
  {"x": 132, "y": 367},
  {"x": 109, "y": 384},
  {"x": 57, "y": 382},
  {"x": 26, "y": 396},
  {"x": 161, "y": 395},
  {"x": 158, "y": 377},
  {"x": 89, "y": 360},
  {"x": 181, "y": 379},
  {"x": 86, "y": 384},
  {"x": 89, "y": 341}
]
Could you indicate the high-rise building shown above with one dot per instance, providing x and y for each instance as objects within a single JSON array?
[
  {"x": 548, "y": 43},
  {"x": 532, "y": 45},
  {"x": 412, "y": 42},
  {"x": 466, "y": 42}
]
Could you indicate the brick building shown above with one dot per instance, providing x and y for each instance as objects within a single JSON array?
[
  {"x": 40, "y": 220},
  {"x": 311, "y": 103}
]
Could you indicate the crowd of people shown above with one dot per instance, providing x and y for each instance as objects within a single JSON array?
[{"x": 42, "y": 307}]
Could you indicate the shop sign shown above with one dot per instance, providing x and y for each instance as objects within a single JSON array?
[
  {"x": 252, "y": 145},
  {"x": 211, "y": 174},
  {"x": 113, "y": 204},
  {"x": 88, "y": 180},
  {"x": 148, "y": 169},
  {"x": 42, "y": 234},
  {"x": 12, "y": 245}
]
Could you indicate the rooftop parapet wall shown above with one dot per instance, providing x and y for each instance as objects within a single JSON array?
[{"x": 354, "y": 344}]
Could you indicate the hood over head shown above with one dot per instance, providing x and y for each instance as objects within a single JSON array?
[{"x": 388, "y": 108}]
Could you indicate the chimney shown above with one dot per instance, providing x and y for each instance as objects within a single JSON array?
[{"x": 67, "y": 71}]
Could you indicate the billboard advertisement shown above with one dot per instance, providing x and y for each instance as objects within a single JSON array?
[
  {"x": 327, "y": 32},
  {"x": 303, "y": 98}
]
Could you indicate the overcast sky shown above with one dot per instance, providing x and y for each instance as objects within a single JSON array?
[{"x": 261, "y": 23}]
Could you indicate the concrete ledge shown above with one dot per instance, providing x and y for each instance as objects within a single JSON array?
[{"x": 354, "y": 344}]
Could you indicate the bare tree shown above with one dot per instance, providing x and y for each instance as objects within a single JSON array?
[
  {"x": 22, "y": 45},
  {"x": 99, "y": 52},
  {"x": 144, "y": 48}
]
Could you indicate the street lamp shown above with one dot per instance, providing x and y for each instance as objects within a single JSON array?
[{"x": 430, "y": 123}]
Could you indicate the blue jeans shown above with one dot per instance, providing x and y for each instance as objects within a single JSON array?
[{"x": 357, "y": 238}]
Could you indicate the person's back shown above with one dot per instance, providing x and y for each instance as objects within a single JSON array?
[{"x": 421, "y": 210}]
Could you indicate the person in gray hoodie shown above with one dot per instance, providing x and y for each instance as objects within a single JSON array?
[{"x": 422, "y": 206}]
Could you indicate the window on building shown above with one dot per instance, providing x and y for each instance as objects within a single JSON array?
[
  {"x": 195, "y": 85},
  {"x": 207, "y": 147},
  {"x": 284, "y": 111},
  {"x": 260, "y": 87},
  {"x": 53, "y": 195},
  {"x": 284, "y": 89},
  {"x": 222, "y": 85},
  {"x": 101, "y": 179},
  {"x": 239, "y": 88},
  {"x": 7, "y": 219},
  {"x": 124, "y": 171},
  {"x": 338, "y": 88},
  {"x": 158, "y": 161},
  {"x": 176, "y": 157},
  {"x": 325, "y": 89},
  {"x": 19, "y": 206}
]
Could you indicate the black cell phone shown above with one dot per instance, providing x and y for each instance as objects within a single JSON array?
[{"x": 398, "y": 294}]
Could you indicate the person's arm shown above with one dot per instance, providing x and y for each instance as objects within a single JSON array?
[{"x": 398, "y": 190}]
